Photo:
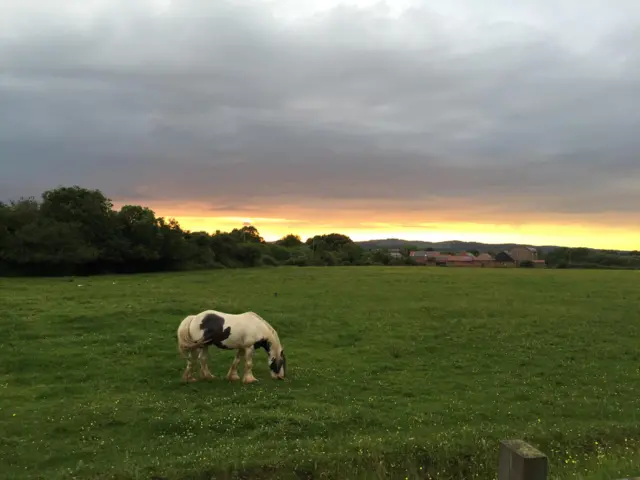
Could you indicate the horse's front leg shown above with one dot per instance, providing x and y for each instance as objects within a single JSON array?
[
  {"x": 187, "y": 375},
  {"x": 204, "y": 368},
  {"x": 248, "y": 365},
  {"x": 233, "y": 371}
]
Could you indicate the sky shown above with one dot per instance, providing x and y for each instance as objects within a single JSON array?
[{"x": 494, "y": 121}]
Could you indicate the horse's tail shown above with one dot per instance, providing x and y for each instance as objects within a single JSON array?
[{"x": 185, "y": 341}]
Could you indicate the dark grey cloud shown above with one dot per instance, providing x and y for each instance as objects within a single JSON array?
[{"x": 502, "y": 106}]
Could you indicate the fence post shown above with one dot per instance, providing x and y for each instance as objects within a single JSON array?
[{"x": 521, "y": 461}]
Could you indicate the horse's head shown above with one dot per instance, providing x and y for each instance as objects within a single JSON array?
[
  {"x": 275, "y": 351},
  {"x": 278, "y": 364}
]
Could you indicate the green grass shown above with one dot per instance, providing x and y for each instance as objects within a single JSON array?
[{"x": 393, "y": 373}]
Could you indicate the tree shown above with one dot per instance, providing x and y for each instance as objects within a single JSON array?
[
  {"x": 289, "y": 241},
  {"x": 331, "y": 242},
  {"x": 249, "y": 255},
  {"x": 381, "y": 257},
  {"x": 280, "y": 252},
  {"x": 351, "y": 253},
  {"x": 89, "y": 209},
  {"x": 140, "y": 228},
  {"x": 247, "y": 233},
  {"x": 199, "y": 251}
]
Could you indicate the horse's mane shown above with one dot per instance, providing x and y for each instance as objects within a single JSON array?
[{"x": 272, "y": 330}]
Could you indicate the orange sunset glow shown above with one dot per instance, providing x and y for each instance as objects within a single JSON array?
[
  {"x": 602, "y": 232},
  {"x": 563, "y": 235}
]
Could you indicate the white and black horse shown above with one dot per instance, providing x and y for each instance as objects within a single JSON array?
[{"x": 244, "y": 332}]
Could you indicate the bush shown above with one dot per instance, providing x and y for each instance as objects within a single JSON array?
[{"x": 269, "y": 261}]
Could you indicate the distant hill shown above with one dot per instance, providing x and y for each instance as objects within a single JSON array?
[{"x": 450, "y": 246}]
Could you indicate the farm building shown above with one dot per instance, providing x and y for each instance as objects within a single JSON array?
[
  {"x": 511, "y": 258},
  {"x": 395, "y": 253},
  {"x": 522, "y": 253},
  {"x": 461, "y": 261},
  {"x": 424, "y": 256},
  {"x": 505, "y": 259},
  {"x": 420, "y": 256},
  {"x": 485, "y": 260}
]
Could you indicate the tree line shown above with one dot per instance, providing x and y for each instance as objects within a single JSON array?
[
  {"x": 76, "y": 231},
  {"x": 564, "y": 257}
]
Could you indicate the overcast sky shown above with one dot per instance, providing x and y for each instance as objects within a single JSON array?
[{"x": 440, "y": 110}]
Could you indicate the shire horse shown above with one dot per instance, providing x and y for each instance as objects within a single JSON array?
[{"x": 244, "y": 332}]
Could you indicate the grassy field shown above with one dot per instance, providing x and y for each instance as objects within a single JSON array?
[{"x": 393, "y": 373}]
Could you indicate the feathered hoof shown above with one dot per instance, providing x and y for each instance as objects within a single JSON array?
[
  {"x": 233, "y": 378},
  {"x": 249, "y": 380}
]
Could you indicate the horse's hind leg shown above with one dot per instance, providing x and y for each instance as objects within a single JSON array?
[
  {"x": 204, "y": 368},
  {"x": 187, "y": 375},
  {"x": 232, "y": 375}
]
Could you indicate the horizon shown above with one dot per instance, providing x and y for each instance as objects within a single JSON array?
[
  {"x": 270, "y": 235},
  {"x": 496, "y": 123}
]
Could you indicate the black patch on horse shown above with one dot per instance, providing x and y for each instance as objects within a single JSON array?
[
  {"x": 214, "y": 334},
  {"x": 276, "y": 364},
  {"x": 263, "y": 344}
]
